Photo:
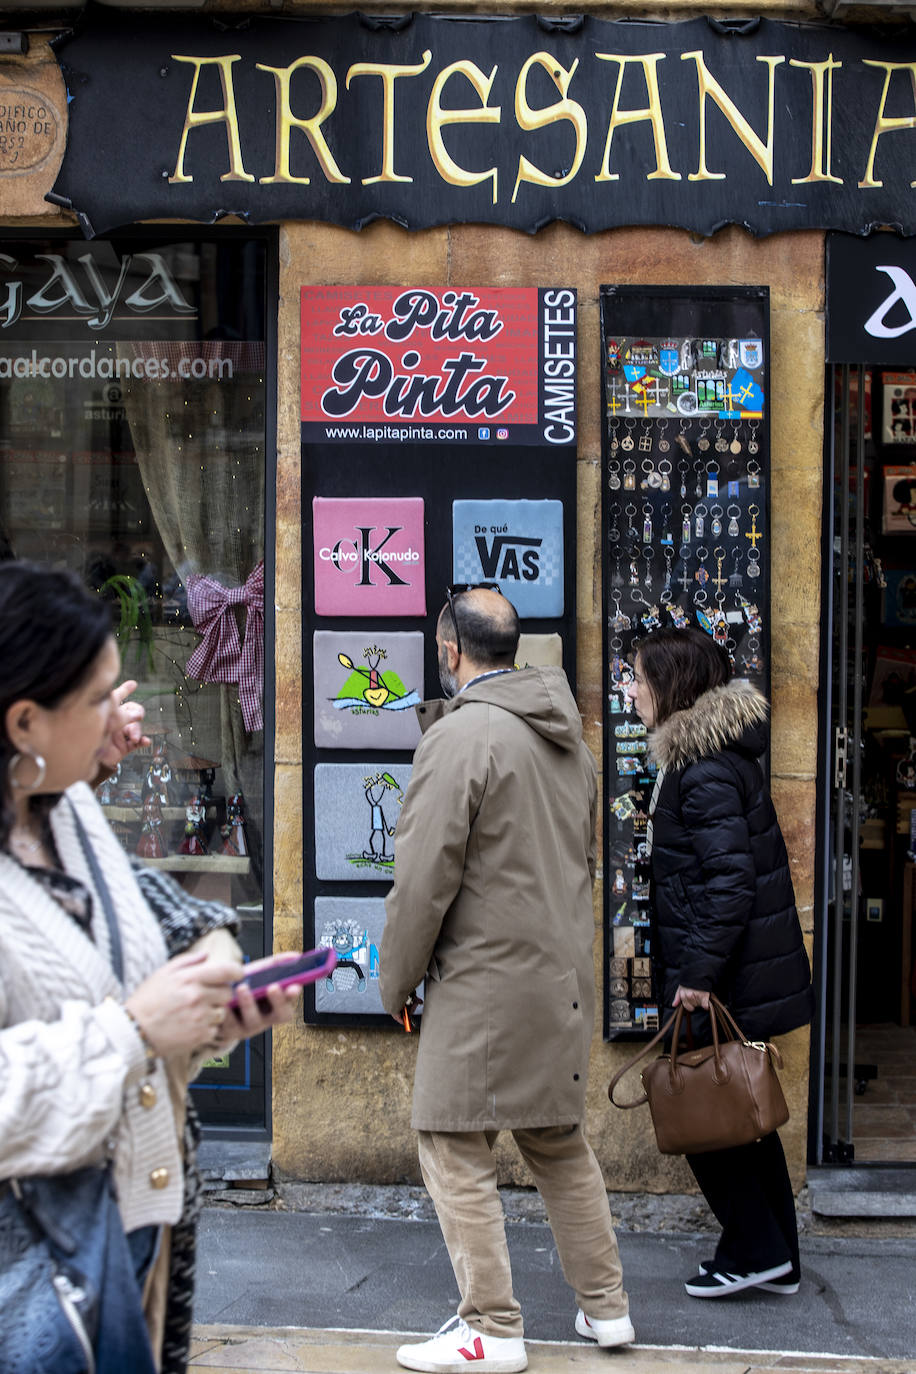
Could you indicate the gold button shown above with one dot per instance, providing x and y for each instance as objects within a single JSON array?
[
  {"x": 159, "y": 1178},
  {"x": 147, "y": 1095}
]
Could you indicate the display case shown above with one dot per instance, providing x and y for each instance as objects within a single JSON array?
[{"x": 685, "y": 512}]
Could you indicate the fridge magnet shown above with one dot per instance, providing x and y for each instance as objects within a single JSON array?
[
  {"x": 369, "y": 556},
  {"x": 750, "y": 352},
  {"x": 539, "y": 651},
  {"x": 356, "y": 813},
  {"x": 366, "y": 686},
  {"x": 624, "y": 942},
  {"x": 518, "y": 544},
  {"x": 899, "y": 510},
  {"x": 894, "y": 675},
  {"x": 646, "y": 1018},
  {"x": 899, "y": 407},
  {"x": 353, "y": 928}
]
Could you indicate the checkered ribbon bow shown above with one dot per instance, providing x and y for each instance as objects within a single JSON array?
[{"x": 220, "y": 656}]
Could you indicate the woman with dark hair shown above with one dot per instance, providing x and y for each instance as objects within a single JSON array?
[
  {"x": 94, "y": 1067},
  {"x": 725, "y": 922}
]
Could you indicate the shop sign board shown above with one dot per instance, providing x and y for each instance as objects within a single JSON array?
[
  {"x": 871, "y": 302},
  {"x": 383, "y": 364},
  {"x": 429, "y": 120}
]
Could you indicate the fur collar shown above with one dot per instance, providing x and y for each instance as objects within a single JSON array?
[{"x": 716, "y": 720}]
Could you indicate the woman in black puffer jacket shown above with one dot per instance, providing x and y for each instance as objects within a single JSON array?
[{"x": 724, "y": 921}]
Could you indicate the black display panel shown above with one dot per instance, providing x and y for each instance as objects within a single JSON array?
[
  {"x": 685, "y": 541},
  {"x": 388, "y": 523}
]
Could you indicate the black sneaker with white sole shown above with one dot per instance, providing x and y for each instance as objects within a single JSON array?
[
  {"x": 787, "y": 1285},
  {"x": 717, "y": 1283}
]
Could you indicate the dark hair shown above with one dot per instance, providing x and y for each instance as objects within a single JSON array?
[
  {"x": 679, "y": 666},
  {"x": 486, "y": 637},
  {"x": 51, "y": 632}
]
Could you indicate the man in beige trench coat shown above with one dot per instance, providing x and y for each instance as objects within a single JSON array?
[{"x": 492, "y": 906}]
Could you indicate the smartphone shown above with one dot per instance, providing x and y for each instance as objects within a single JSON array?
[{"x": 288, "y": 971}]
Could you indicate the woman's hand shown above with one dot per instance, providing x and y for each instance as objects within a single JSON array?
[
  {"x": 247, "y": 1018},
  {"x": 126, "y": 733},
  {"x": 691, "y": 999},
  {"x": 183, "y": 1004}
]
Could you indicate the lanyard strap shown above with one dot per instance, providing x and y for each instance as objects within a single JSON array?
[{"x": 101, "y": 887}]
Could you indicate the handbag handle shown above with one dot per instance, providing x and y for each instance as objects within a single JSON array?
[
  {"x": 717, "y": 1012},
  {"x": 631, "y": 1063}
]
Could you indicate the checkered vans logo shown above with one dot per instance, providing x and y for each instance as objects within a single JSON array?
[{"x": 509, "y": 557}]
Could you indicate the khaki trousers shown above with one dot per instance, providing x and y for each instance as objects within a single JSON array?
[{"x": 459, "y": 1171}]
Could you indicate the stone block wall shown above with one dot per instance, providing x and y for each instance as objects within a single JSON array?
[{"x": 342, "y": 1097}]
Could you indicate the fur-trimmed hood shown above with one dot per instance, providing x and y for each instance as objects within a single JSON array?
[{"x": 733, "y": 714}]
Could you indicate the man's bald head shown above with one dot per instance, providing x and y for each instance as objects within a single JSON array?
[{"x": 487, "y": 625}]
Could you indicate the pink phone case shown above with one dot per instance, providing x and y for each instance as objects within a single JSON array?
[{"x": 321, "y": 963}]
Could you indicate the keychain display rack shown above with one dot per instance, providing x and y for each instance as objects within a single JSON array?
[{"x": 685, "y": 520}]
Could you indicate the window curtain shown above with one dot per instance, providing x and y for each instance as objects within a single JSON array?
[{"x": 200, "y": 450}]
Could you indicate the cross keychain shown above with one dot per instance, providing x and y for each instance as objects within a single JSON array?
[
  {"x": 719, "y": 581},
  {"x": 753, "y": 534}
]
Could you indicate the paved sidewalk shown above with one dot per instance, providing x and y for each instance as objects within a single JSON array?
[
  {"x": 252, "y": 1350},
  {"x": 327, "y": 1293}
]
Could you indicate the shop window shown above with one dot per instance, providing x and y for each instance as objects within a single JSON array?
[
  {"x": 133, "y": 428},
  {"x": 868, "y": 815}
]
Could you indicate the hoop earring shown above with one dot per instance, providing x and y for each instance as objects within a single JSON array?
[{"x": 14, "y": 764}]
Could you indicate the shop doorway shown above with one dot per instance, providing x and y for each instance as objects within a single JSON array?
[{"x": 864, "y": 1108}]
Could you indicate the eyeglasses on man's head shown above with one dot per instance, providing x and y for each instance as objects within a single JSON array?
[{"x": 456, "y": 589}]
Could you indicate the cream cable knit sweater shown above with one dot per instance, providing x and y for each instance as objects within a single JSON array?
[{"x": 71, "y": 1062}]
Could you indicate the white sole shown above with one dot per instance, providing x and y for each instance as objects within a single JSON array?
[
  {"x": 488, "y": 1365},
  {"x": 625, "y": 1336},
  {"x": 485, "y": 1366},
  {"x": 788, "y": 1290}
]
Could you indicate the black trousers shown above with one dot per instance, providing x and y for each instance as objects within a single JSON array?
[{"x": 750, "y": 1194}]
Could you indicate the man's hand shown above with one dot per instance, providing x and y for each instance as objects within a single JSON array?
[
  {"x": 405, "y": 1016},
  {"x": 691, "y": 999},
  {"x": 126, "y": 732}
]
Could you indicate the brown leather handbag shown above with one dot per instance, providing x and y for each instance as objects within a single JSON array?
[{"x": 725, "y": 1094}]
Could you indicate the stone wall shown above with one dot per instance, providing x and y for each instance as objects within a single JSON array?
[{"x": 337, "y": 1120}]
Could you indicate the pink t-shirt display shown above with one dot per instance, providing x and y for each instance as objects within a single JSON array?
[{"x": 369, "y": 556}]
